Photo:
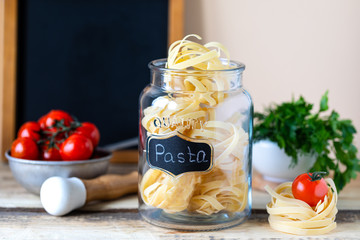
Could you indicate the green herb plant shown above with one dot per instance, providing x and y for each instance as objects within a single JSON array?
[{"x": 298, "y": 131}]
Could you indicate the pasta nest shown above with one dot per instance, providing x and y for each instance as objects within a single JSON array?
[{"x": 290, "y": 215}]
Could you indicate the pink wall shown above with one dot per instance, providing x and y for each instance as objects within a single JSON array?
[{"x": 290, "y": 47}]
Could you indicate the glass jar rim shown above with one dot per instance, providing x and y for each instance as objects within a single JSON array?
[{"x": 159, "y": 64}]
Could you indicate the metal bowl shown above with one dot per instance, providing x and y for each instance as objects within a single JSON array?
[{"x": 32, "y": 173}]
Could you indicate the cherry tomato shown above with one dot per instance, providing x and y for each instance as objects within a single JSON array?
[
  {"x": 48, "y": 120},
  {"x": 310, "y": 188},
  {"x": 42, "y": 121},
  {"x": 90, "y": 131},
  {"x": 76, "y": 147},
  {"x": 50, "y": 154},
  {"x": 25, "y": 148},
  {"x": 30, "y": 130}
]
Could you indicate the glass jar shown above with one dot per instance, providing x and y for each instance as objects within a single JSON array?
[{"x": 195, "y": 145}]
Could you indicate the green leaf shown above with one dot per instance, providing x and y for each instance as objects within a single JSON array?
[
  {"x": 324, "y": 102},
  {"x": 339, "y": 179},
  {"x": 280, "y": 141}
]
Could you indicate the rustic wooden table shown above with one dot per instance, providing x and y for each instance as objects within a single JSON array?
[{"x": 22, "y": 217}]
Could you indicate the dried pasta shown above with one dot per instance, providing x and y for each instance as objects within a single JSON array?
[
  {"x": 163, "y": 191},
  {"x": 225, "y": 187},
  {"x": 290, "y": 215}
]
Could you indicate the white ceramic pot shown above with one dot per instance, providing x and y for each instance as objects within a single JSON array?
[{"x": 273, "y": 163}]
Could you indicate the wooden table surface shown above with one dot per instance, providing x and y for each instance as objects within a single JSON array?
[{"x": 22, "y": 217}]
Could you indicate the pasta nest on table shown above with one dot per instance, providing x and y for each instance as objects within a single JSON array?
[{"x": 290, "y": 215}]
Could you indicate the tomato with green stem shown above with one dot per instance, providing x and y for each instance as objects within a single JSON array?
[
  {"x": 56, "y": 124},
  {"x": 310, "y": 188},
  {"x": 48, "y": 120},
  {"x": 50, "y": 151}
]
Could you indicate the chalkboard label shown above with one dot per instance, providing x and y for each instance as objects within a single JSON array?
[{"x": 176, "y": 154}]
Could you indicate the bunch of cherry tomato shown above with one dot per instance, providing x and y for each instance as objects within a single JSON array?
[{"x": 56, "y": 136}]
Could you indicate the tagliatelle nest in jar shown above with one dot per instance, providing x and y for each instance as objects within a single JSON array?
[
  {"x": 295, "y": 216},
  {"x": 225, "y": 186}
]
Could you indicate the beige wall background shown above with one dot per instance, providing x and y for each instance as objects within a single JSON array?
[{"x": 289, "y": 47}]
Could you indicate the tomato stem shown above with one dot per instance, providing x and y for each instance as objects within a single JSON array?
[
  {"x": 60, "y": 128},
  {"x": 315, "y": 176}
]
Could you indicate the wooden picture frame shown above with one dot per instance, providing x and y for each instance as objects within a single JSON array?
[{"x": 8, "y": 59}]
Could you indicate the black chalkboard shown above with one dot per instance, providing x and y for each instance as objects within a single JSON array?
[
  {"x": 176, "y": 155},
  {"x": 88, "y": 57}
]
